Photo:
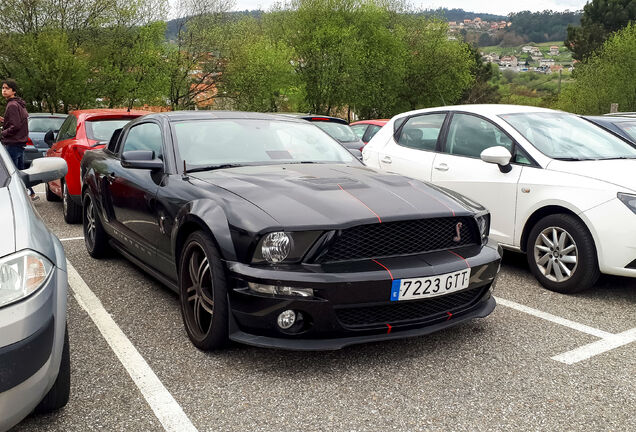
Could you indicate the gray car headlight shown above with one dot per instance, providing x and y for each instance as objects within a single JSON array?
[
  {"x": 483, "y": 223},
  {"x": 21, "y": 274},
  {"x": 628, "y": 199},
  {"x": 284, "y": 247}
]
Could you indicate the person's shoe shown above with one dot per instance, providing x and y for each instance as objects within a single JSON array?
[{"x": 34, "y": 197}]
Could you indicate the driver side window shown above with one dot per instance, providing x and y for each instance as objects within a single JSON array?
[
  {"x": 146, "y": 136},
  {"x": 469, "y": 135}
]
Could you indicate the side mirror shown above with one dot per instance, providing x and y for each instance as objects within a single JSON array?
[
  {"x": 141, "y": 159},
  {"x": 49, "y": 138},
  {"x": 44, "y": 170},
  {"x": 498, "y": 155}
]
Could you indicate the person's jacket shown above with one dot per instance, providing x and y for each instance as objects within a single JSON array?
[{"x": 15, "y": 129}]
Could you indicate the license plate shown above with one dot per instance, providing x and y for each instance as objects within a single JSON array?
[{"x": 433, "y": 286}]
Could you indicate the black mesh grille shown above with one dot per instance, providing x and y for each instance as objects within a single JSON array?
[
  {"x": 400, "y": 238},
  {"x": 408, "y": 310}
]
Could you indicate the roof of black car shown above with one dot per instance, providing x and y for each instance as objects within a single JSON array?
[
  {"x": 315, "y": 117},
  {"x": 209, "y": 115},
  {"x": 54, "y": 115}
]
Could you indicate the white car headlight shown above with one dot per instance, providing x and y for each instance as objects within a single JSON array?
[
  {"x": 21, "y": 274},
  {"x": 628, "y": 199},
  {"x": 276, "y": 246}
]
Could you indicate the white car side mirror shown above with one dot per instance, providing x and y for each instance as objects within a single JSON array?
[{"x": 497, "y": 155}]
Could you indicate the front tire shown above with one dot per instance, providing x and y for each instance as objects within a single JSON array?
[
  {"x": 561, "y": 254},
  {"x": 95, "y": 237},
  {"x": 72, "y": 212},
  {"x": 203, "y": 293},
  {"x": 59, "y": 394}
]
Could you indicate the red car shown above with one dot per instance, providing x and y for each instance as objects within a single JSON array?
[
  {"x": 82, "y": 130},
  {"x": 365, "y": 129}
]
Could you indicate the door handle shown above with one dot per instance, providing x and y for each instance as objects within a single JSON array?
[
  {"x": 441, "y": 167},
  {"x": 386, "y": 160}
]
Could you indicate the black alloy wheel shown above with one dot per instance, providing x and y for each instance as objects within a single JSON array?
[
  {"x": 72, "y": 212},
  {"x": 50, "y": 196},
  {"x": 203, "y": 293},
  {"x": 562, "y": 255},
  {"x": 95, "y": 238}
]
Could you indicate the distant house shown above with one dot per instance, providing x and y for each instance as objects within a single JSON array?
[
  {"x": 467, "y": 21},
  {"x": 527, "y": 49},
  {"x": 556, "y": 68},
  {"x": 477, "y": 20},
  {"x": 554, "y": 50},
  {"x": 494, "y": 26},
  {"x": 508, "y": 61},
  {"x": 452, "y": 23},
  {"x": 546, "y": 62}
]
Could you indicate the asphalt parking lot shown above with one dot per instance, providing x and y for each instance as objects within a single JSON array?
[{"x": 541, "y": 361}]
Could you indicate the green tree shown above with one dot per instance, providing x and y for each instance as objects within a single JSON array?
[
  {"x": 600, "y": 19},
  {"x": 606, "y": 77},
  {"x": 482, "y": 91},
  {"x": 259, "y": 74}
]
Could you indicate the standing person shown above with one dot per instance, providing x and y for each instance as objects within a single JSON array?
[{"x": 15, "y": 126}]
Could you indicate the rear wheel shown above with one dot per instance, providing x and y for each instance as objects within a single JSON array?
[
  {"x": 203, "y": 293},
  {"x": 72, "y": 212},
  {"x": 561, "y": 254},
  {"x": 95, "y": 237},
  {"x": 59, "y": 394},
  {"x": 50, "y": 196}
]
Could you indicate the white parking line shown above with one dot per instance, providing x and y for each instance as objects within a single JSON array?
[
  {"x": 608, "y": 341},
  {"x": 598, "y": 347},
  {"x": 553, "y": 318},
  {"x": 165, "y": 407},
  {"x": 72, "y": 238}
]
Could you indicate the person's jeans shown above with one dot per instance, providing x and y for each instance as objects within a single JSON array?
[{"x": 17, "y": 155}]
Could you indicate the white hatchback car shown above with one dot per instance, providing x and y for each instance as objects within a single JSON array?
[{"x": 558, "y": 187}]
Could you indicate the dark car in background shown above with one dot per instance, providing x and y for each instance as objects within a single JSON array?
[
  {"x": 336, "y": 128},
  {"x": 623, "y": 125},
  {"x": 366, "y": 129},
  {"x": 39, "y": 125},
  {"x": 274, "y": 235}
]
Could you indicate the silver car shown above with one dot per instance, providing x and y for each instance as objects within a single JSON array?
[{"x": 34, "y": 352}]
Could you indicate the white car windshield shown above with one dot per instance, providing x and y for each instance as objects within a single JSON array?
[
  {"x": 255, "y": 142},
  {"x": 567, "y": 137}
]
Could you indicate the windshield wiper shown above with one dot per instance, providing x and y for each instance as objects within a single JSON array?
[
  {"x": 619, "y": 157},
  {"x": 571, "y": 159},
  {"x": 212, "y": 167}
]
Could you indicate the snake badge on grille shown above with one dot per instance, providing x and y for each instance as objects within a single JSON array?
[{"x": 458, "y": 237}]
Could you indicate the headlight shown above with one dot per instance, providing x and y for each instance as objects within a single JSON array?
[
  {"x": 628, "y": 199},
  {"x": 483, "y": 223},
  {"x": 21, "y": 274},
  {"x": 278, "y": 247}
]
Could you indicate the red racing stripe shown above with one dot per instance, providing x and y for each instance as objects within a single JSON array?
[
  {"x": 459, "y": 256},
  {"x": 441, "y": 202},
  {"x": 376, "y": 215},
  {"x": 384, "y": 267}
]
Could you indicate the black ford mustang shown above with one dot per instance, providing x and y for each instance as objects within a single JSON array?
[{"x": 275, "y": 235}]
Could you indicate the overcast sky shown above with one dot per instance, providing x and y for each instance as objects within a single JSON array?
[{"x": 500, "y": 7}]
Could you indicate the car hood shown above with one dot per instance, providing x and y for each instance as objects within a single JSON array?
[
  {"x": 7, "y": 245},
  {"x": 305, "y": 196},
  {"x": 619, "y": 172}
]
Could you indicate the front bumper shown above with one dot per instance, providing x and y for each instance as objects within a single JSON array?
[
  {"x": 31, "y": 342},
  {"x": 612, "y": 225},
  {"x": 351, "y": 302}
]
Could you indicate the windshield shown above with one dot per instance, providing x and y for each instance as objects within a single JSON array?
[
  {"x": 568, "y": 137},
  {"x": 45, "y": 124},
  {"x": 255, "y": 142},
  {"x": 629, "y": 128},
  {"x": 102, "y": 130},
  {"x": 339, "y": 131}
]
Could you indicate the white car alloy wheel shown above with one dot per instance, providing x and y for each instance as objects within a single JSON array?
[{"x": 556, "y": 254}]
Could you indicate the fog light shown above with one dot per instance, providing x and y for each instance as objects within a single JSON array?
[
  {"x": 286, "y": 319},
  {"x": 280, "y": 290}
]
